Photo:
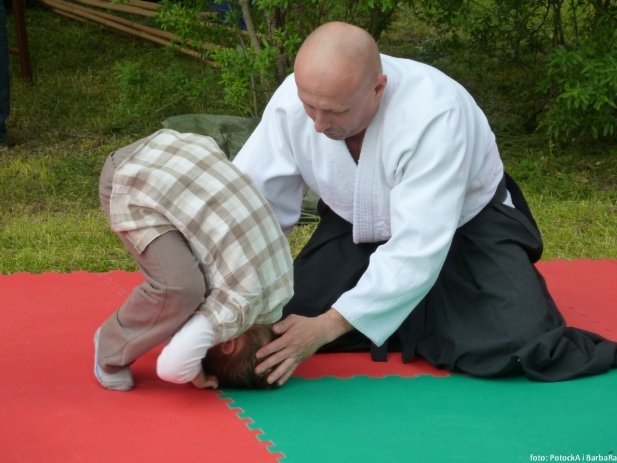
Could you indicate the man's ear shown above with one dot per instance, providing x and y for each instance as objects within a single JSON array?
[
  {"x": 380, "y": 85},
  {"x": 228, "y": 347}
]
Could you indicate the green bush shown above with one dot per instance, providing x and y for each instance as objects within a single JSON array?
[
  {"x": 584, "y": 84},
  {"x": 564, "y": 52},
  {"x": 253, "y": 46}
]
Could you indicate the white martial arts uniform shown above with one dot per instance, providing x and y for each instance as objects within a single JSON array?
[{"x": 429, "y": 163}]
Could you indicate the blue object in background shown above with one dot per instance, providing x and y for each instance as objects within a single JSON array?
[{"x": 223, "y": 9}]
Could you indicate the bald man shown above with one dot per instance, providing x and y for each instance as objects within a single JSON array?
[{"x": 424, "y": 244}]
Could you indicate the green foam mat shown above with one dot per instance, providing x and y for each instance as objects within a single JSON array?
[{"x": 429, "y": 419}]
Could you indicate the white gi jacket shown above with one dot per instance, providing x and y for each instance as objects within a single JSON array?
[{"x": 429, "y": 163}]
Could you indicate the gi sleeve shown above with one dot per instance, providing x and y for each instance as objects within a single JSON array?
[{"x": 267, "y": 158}]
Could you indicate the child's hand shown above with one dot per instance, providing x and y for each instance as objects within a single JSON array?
[{"x": 203, "y": 381}]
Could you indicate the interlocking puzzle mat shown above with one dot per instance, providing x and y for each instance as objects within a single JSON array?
[
  {"x": 429, "y": 419},
  {"x": 338, "y": 407}
]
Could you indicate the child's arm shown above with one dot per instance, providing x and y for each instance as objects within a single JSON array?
[{"x": 180, "y": 360}]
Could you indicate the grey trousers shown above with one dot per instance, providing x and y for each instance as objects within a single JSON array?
[{"x": 173, "y": 289}]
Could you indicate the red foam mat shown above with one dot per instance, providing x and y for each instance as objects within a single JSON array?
[
  {"x": 586, "y": 293},
  {"x": 53, "y": 410}
]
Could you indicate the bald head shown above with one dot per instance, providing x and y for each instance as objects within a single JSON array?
[
  {"x": 339, "y": 79},
  {"x": 338, "y": 50}
]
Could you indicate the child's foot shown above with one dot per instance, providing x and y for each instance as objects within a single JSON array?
[{"x": 121, "y": 380}]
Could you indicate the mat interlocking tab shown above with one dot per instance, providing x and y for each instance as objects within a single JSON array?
[{"x": 257, "y": 432}]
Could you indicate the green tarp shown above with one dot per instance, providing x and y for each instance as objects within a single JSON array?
[{"x": 230, "y": 133}]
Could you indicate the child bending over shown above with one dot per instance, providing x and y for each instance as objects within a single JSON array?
[{"x": 216, "y": 265}]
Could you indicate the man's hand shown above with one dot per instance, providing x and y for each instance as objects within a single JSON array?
[
  {"x": 300, "y": 338},
  {"x": 203, "y": 381}
]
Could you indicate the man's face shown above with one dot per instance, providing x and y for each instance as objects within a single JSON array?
[{"x": 340, "y": 109}]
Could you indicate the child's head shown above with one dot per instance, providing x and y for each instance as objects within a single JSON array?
[{"x": 233, "y": 362}]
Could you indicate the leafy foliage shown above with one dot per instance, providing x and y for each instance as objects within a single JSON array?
[
  {"x": 569, "y": 45},
  {"x": 253, "y": 47},
  {"x": 561, "y": 53},
  {"x": 584, "y": 83}
]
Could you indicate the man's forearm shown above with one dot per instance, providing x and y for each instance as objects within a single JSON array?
[{"x": 335, "y": 325}]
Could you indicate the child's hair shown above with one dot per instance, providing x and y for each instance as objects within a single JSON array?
[{"x": 238, "y": 370}]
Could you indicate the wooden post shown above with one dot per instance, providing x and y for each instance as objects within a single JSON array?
[
  {"x": 120, "y": 25},
  {"x": 22, "y": 40}
]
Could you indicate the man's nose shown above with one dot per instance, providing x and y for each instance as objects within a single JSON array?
[{"x": 321, "y": 122}]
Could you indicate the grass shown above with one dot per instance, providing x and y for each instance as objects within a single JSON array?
[
  {"x": 61, "y": 240},
  {"x": 95, "y": 91}
]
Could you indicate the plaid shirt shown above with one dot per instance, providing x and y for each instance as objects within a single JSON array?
[{"x": 178, "y": 181}]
